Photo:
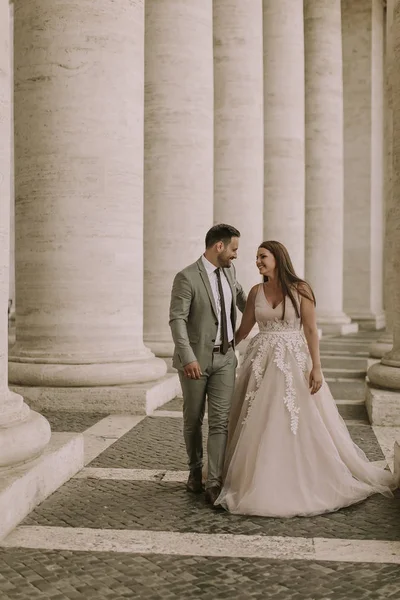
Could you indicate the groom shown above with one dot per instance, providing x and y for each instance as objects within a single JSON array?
[{"x": 202, "y": 320}]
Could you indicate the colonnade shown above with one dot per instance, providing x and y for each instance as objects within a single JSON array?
[{"x": 139, "y": 125}]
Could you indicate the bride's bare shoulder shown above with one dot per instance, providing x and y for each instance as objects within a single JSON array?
[
  {"x": 253, "y": 292},
  {"x": 255, "y": 288}
]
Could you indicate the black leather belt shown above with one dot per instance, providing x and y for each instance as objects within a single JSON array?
[{"x": 218, "y": 349}]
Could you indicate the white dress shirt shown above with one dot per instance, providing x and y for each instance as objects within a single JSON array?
[{"x": 226, "y": 288}]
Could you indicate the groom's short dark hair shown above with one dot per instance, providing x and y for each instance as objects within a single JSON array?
[{"x": 221, "y": 233}]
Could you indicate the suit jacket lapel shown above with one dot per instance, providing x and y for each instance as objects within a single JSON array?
[{"x": 206, "y": 281}]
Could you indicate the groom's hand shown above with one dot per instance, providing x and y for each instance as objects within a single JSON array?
[{"x": 193, "y": 370}]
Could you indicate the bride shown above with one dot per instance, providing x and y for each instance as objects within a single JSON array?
[{"x": 289, "y": 452}]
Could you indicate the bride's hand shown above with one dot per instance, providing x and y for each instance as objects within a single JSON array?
[{"x": 316, "y": 379}]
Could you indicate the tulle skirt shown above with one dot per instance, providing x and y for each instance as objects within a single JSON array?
[{"x": 289, "y": 453}]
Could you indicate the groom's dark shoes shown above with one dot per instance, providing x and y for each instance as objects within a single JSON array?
[
  {"x": 212, "y": 494},
  {"x": 194, "y": 483}
]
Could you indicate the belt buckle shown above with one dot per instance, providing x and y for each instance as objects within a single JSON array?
[{"x": 217, "y": 350}]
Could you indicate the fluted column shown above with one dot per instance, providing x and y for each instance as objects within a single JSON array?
[
  {"x": 384, "y": 408},
  {"x": 178, "y": 188},
  {"x": 385, "y": 343},
  {"x": 363, "y": 74},
  {"x": 23, "y": 433},
  {"x": 238, "y": 126},
  {"x": 324, "y": 162},
  {"x": 79, "y": 89},
  {"x": 11, "y": 295},
  {"x": 284, "y": 143}
]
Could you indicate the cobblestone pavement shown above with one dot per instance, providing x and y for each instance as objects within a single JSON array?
[
  {"x": 71, "y": 421},
  {"x": 67, "y": 575},
  {"x": 104, "y": 500}
]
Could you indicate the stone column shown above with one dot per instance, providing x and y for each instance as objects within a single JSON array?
[
  {"x": 324, "y": 162},
  {"x": 23, "y": 433},
  {"x": 238, "y": 126},
  {"x": 363, "y": 75},
  {"x": 284, "y": 143},
  {"x": 385, "y": 343},
  {"x": 178, "y": 156},
  {"x": 384, "y": 404},
  {"x": 79, "y": 89},
  {"x": 11, "y": 294}
]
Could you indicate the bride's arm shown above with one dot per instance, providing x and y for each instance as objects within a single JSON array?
[
  {"x": 249, "y": 318},
  {"x": 309, "y": 320}
]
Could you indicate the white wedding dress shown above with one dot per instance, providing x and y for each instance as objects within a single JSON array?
[{"x": 289, "y": 453}]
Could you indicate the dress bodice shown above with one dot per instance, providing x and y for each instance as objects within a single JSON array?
[{"x": 270, "y": 319}]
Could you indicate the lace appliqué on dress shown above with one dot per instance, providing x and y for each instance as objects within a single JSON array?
[{"x": 281, "y": 337}]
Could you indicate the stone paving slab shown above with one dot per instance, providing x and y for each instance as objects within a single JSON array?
[
  {"x": 157, "y": 443},
  {"x": 71, "y": 421},
  {"x": 64, "y": 575},
  {"x": 159, "y": 506}
]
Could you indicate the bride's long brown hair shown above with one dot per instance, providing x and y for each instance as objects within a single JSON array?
[{"x": 287, "y": 276}]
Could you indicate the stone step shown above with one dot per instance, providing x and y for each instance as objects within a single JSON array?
[
  {"x": 344, "y": 373},
  {"x": 354, "y": 412},
  {"x": 345, "y": 350},
  {"x": 332, "y": 361},
  {"x": 348, "y": 390}
]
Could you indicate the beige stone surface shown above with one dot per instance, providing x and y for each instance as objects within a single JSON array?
[
  {"x": 178, "y": 154},
  {"x": 11, "y": 293},
  {"x": 24, "y": 487},
  {"x": 284, "y": 141},
  {"x": 363, "y": 94},
  {"x": 79, "y": 90},
  {"x": 5, "y": 136},
  {"x": 382, "y": 405},
  {"x": 23, "y": 434},
  {"x": 139, "y": 398},
  {"x": 387, "y": 373},
  {"x": 383, "y": 345},
  {"x": 324, "y": 159},
  {"x": 388, "y": 164},
  {"x": 238, "y": 126},
  {"x": 200, "y": 544}
]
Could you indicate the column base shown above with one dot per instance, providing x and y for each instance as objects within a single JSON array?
[
  {"x": 136, "y": 399},
  {"x": 372, "y": 361},
  {"x": 24, "y": 487},
  {"x": 382, "y": 346},
  {"x": 383, "y": 406},
  {"x": 164, "y": 350},
  {"x": 23, "y": 372},
  {"x": 23, "y": 440},
  {"x": 368, "y": 321},
  {"x": 384, "y": 376},
  {"x": 337, "y": 328}
]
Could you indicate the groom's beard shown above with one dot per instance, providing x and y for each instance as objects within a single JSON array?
[{"x": 225, "y": 263}]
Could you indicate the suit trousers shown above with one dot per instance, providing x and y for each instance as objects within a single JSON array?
[{"x": 216, "y": 385}]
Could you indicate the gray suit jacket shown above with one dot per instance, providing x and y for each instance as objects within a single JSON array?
[{"x": 193, "y": 314}]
